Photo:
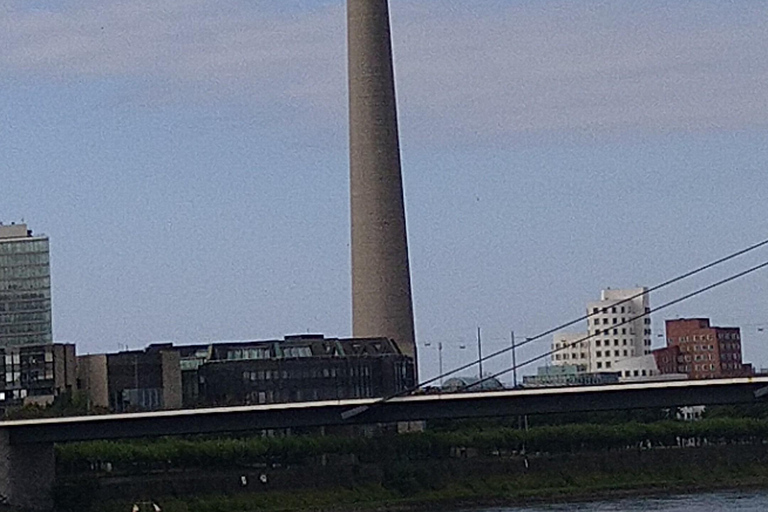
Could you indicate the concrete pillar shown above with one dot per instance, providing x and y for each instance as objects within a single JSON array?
[
  {"x": 27, "y": 473},
  {"x": 381, "y": 281}
]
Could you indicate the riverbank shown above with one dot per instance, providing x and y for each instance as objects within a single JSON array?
[
  {"x": 380, "y": 500},
  {"x": 457, "y": 483}
]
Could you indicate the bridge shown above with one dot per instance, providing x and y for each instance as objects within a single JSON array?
[{"x": 27, "y": 466}]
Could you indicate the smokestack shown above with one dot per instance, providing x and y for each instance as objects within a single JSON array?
[{"x": 381, "y": 279}]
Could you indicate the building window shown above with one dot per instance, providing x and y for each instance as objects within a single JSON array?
[
  {"x": 607, "y": 364},
  {"x": 599, "y": 364}
]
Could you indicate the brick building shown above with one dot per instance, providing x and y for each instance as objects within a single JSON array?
[{"x": 703, "y": 351}]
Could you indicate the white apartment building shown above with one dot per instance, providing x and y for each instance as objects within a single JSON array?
[{"x": 615, "y": 332}]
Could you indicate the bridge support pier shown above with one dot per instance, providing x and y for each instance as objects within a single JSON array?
[{"x": 27, "y": 473}]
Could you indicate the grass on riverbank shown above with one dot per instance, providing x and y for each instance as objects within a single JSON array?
[{"x": 569, "y": 484}]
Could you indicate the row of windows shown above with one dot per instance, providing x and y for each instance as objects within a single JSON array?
[
  {"x": 7, "y": 297},
  {"x": 300, "y": 395},
  {"x": 266, "y": 353},
  {"x": 25, "y": 272},
  {"x": 707, "y": 337},
  {"x": 17, "y": 318},
  {"x": 28, "y": 339},
  {"x": 697, "y": 368},
  {"x": 605, "y": 321},
  {"x": 248, "y": 353},
  {"x": 698, "y": 357},
  {"x": 696, "y": 348},
  {"x": 616, "y": 309},
  {"x": 608, "y": 343},
  {"x": 616, "y": 353},
  {"x": 24, "y": 260},
  {"x": 566, "y": 344},
  {"x": 17, "y": 359},
  {"x": 29, "y": 328},
  {"x": 314, "y": 373},
  {"x": 16, "y": 394},
  {"x": 638, "y": 373},
  {"x": 25, "y": 285},
  {"x": 607, "y": 332},
  {"x": 615, "y": 331},
  {"x": 32, "y": 305},
  {"x": 32, "y": 376},
  {"x": 575, "y": 355},
  {"x": 290, "y": 352},
  {"x": 23, "y": 247}
]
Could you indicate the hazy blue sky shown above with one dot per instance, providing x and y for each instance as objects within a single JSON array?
[{"x": 188, "y": 159}]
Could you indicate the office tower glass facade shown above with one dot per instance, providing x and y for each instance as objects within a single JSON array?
[{"x": 25, "y": 288}]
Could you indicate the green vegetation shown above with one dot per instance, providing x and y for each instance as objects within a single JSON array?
[
  {"x": 488, "y": 465},
  {"x": 206, "y": 453}
]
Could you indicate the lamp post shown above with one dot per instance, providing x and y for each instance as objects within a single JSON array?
[
  {"x": 439, "y": 359},
  {"x": 439, "y": 347}
]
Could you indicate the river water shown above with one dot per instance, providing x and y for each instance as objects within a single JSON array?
[{"x": 736, "y": 501}]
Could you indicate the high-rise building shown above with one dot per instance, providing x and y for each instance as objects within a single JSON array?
[
  {"x": 25, "y": 287},
  {"x": 617, "y": 330},
  {"x": 703, "y": 351},
  {"x": 381, "y": 282}
]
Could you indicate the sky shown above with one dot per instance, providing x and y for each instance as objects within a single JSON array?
[{"x": 188, "y": 160}]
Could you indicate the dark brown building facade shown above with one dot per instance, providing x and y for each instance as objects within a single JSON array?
[{"x": 297, "y": 369}]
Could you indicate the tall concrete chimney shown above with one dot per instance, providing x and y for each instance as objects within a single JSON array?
[{"x": 381, "y": 279}]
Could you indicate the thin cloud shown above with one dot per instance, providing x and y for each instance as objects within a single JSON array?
[{"x": 467, "y": 71}]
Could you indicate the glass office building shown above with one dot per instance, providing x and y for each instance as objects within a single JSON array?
[{"x": 25, "y": 287}]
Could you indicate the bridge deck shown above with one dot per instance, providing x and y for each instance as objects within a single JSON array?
[{"x": 409, "y": 408}]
